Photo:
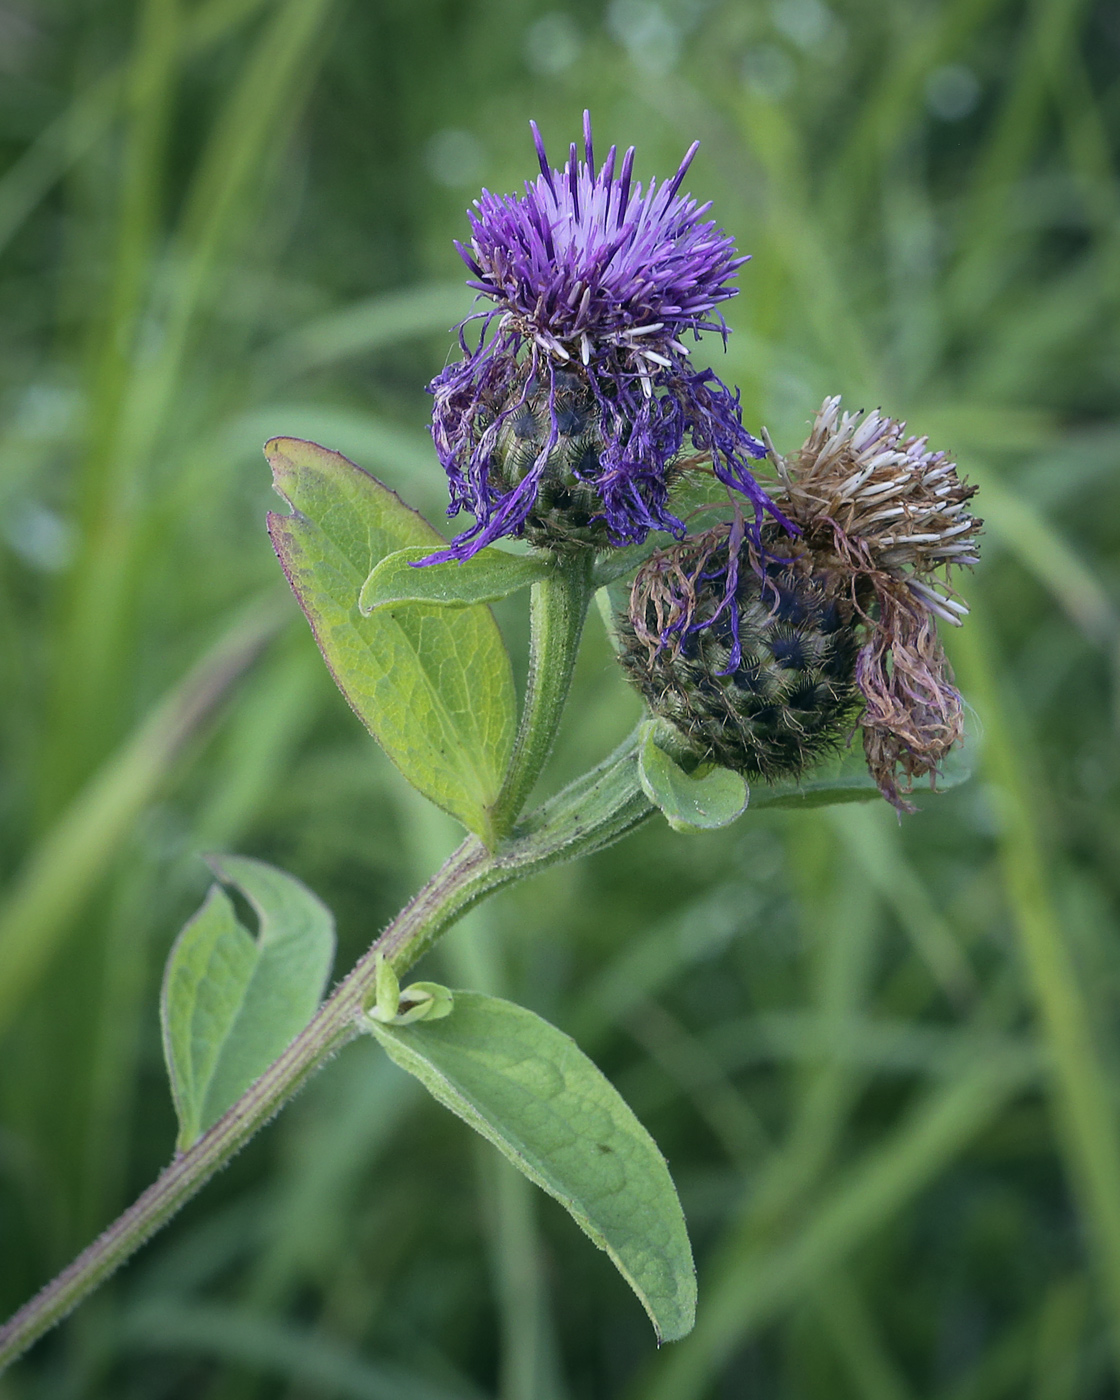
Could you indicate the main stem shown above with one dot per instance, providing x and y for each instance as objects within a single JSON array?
[
  {"x": 558, "y": 610},
  {"x": 466, "y": 876}
]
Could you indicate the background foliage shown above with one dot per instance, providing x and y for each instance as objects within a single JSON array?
[{"x": 881, "y": 1059}]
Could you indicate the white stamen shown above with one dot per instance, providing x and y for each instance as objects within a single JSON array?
[
  {"x": 943, "y": 613},
  {"x": 887, "y": 458},
  {"x": 853, "y": 483},
  {"x": 550, "y": 343},
  {"x": 894, "y": 485},
  {"x": 951, "y": 609}
]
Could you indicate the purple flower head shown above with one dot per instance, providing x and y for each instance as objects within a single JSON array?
[{"x": 595, "y": 280}]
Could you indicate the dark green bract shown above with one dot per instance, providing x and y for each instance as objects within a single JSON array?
[
  {"x": 791, "y": 700},
  {"x": 567, "y": 504}
]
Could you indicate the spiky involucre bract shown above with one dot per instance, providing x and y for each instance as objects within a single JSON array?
[
  {"x": 763, "y": 683},
  {"x": 567, "y": 510}
]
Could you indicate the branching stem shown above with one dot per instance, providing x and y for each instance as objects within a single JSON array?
[{"x": 591, "y": 813}]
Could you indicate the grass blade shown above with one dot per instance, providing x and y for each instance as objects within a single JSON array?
[
  {"x": 1082, "y": 1097},
  {"x": 757, "y": 1286},
  {"x": 65, "y": 867}
]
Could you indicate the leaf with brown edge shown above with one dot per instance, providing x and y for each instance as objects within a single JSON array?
[{"x": 433, "y": 687}]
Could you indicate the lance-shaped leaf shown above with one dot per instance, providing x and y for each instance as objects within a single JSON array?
[
  {"x": 711, "y": 797},
  {"x": 483, "y": 578},
  {"x": 435, "y": 688},
  {"x": 530, "y": 1090},
  {"x": 232, "y": 1003},
  {"x": 847, "y": 780}
]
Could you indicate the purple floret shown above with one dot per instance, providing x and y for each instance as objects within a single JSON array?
[{"x": 593, "y": 274}]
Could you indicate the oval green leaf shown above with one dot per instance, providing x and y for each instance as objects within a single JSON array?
[
  {"x": 484, "y": 578},
  {"x": 435, "y": 689},
  {"x": 232, "y": 1003},
  {"x": 530, "y": 1090},
  {"x": 701, "y": 801}
]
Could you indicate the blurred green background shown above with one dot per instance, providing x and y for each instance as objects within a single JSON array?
[{"x": 881, "y": 1058}]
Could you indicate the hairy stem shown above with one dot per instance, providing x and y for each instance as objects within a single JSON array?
[
  {"x": 433, "y": 908},
  {"x": 557, "y": 611},
  {"x": 591, "y": 813}
]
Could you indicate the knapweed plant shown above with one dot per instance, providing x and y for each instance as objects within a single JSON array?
[{"x": 770, "y": 608}]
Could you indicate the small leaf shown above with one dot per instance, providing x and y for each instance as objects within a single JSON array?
[
  {"x": 484, "y": 578},
  {"x": 620, "y": 562},
  {"x": 387, "y": 992},
  {"x": 613, "y": 602},
  {"x": 435, "y": 689},
  {"x": 424, "y": 1001},
  {"x": 530, "y": 1090},
  {"x": 231, "y": 1003},
  {"x": 421, "y": 1001},
  {"x": 845, "y": 779},
  {"x": 701, "y": 801}
]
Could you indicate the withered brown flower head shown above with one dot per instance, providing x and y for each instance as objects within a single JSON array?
[
  {"x": 883, "y": 501},
  {"x": 788, "y": 646},
  {"x": 889, "y": 514}
]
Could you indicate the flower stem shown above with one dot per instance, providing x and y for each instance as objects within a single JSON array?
[{"x": 557, "y": 610}]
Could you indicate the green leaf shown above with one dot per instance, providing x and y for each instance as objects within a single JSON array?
[
  {"x": 842, "y": 780},
  {"x": 231, "y": 1003},
  {"x": 484, "y": 578},
  {"x": 530, "y": 1090},
  {"x": 847, "y": 780},
  {"x": 435, "y": 689},
  {"x": 612, "y": 599},
  {"x": 621, "y": 562},
  {"x": 701, "y": 801}
]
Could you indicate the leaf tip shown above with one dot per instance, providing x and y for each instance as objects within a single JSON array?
[{"x": 283, "y": 472}]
